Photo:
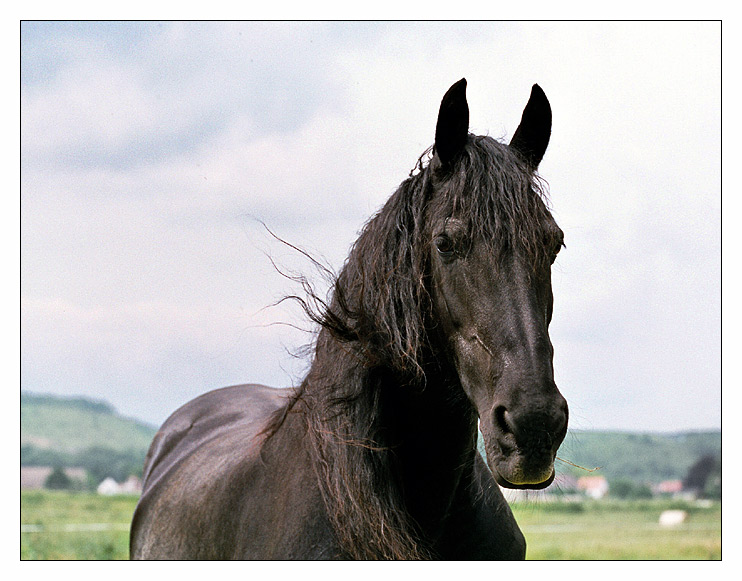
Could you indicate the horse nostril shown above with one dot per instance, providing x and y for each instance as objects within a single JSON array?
[
  {"x": 501, "y": 419},
  {"x": 526, "y": 425}
]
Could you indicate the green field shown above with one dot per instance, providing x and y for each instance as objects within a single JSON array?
[
  {"x": 618, "y": 530},
  {"x": 79, "y": 526},
  {"x": 83, "y": 526}
]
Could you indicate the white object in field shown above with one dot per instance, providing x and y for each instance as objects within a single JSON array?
[{"x": 673, "y": 518}]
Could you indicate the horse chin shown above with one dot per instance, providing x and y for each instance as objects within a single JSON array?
[
  {"x": 515, "y": 472},
  {"x": 505, "y": 483}
]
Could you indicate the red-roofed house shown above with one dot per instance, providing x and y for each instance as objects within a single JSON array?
[{"x": 594, "y": 486}]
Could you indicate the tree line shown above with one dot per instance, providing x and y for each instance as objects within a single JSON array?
[{"x": 98, "y": 461}]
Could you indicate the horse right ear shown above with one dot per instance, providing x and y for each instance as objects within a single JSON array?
[
  {"x": 452, "y": 129},
  {"x": 532, "y": 136}
]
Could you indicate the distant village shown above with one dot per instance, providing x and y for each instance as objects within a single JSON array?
[
  {"x": 569, "y": 488},
  {"x": 564, "y": 488},
  {"x": 43, "y": 477}
]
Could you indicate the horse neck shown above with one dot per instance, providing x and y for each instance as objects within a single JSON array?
[
  {"x": 438, "y": 434},
  {"x": 409, "y": 414},
  {"x": 404, "y": 446}
]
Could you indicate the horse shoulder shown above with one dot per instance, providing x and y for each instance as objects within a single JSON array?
[{"x": 206, "y": 471}]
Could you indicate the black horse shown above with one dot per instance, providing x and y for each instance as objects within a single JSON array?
[{"x": 437, "y": 323}]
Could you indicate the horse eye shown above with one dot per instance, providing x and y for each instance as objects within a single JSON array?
[
  {"x": 554, "y": 254},
  {"x": 554, "y": 245},
  {"x": 444, "y": 246}
]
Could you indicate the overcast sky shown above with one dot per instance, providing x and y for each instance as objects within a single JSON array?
[{"x": 151, "y": 152}]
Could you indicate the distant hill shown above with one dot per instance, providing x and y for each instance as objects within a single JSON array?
[
  {"x": 641, "y": 457},
  {"x": 77, "y": 431},
  {"x": 72, "y": 424}
]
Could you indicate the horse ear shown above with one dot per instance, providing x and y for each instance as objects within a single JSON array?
[
  {"x": 452, "y": 129},
  {"x": 534, "y": 131}
]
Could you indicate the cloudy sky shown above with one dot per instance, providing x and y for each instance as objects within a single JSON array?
[{"x": 152, "y": 152}]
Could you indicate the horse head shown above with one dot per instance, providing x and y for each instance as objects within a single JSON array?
[{"x": 492, "y": 243}]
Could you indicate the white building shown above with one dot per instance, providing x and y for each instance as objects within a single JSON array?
[
  {"x": 593, "y": 486},
  {"x": 109, "y": 486}
]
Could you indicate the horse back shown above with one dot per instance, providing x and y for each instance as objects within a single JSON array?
[
  {"x": 205, "y": 470},
  {"x": 246, "y": 408}
]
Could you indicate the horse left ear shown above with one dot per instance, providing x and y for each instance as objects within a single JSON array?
[
  {"x": 532, "y": 136},
  {"x": 452, "y": 129}
]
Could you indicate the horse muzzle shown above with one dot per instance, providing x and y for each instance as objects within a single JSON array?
[{"x": 521, "y": 447}]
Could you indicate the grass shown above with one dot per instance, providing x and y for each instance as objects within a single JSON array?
[
  {"x": 64, "y": 526},
  {"x": 618, "y": 530}
]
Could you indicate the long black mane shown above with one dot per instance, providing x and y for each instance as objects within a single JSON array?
[{"x": 375, "y": 344}]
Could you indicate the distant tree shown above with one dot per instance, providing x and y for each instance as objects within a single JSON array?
[
  {"x": 103, "y": 462},
  {"x": 624, "y": 488},
  {"x": 58, "y": 480},
  {"x": 698, "y": 474},
  {"x": 641, "y": 492},
  {"x": 33, "y": 456},
  {"x": 713, "y": 484},
  {"x": 713, "y": 492},
  {"x": 621, "y": 488}
]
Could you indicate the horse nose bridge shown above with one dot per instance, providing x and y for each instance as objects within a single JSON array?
[
  {"x": 526, "y": 352},
  {"x": 524, "y": 340},
  {"x": 526, "y": 378},
  {"x": 529, "y": 392}
]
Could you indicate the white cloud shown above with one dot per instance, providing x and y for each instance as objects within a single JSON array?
[{"x": 149, "y": 151}]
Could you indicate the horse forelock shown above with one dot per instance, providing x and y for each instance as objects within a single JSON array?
[{"x": 499, "y": 198}]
